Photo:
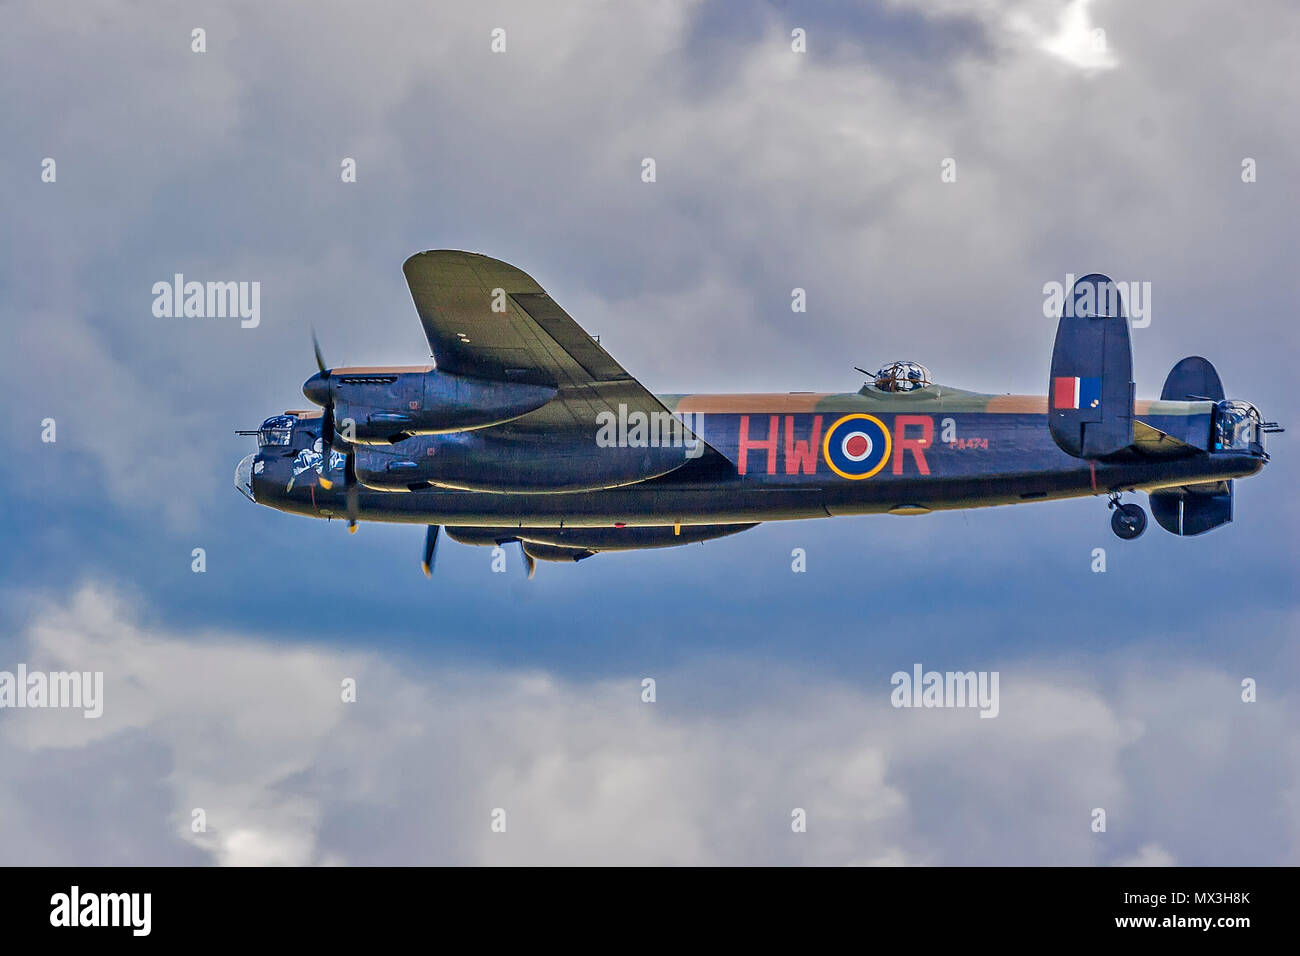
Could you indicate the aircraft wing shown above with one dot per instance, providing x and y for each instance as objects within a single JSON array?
[{"x": 527, "y": 338}]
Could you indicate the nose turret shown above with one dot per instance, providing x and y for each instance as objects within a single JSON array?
[{"x": 244, "y": 477}]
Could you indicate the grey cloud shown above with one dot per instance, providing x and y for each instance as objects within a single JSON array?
[
  {"x": 775, "y": 170},
  {"x": 287, "y": 773}
]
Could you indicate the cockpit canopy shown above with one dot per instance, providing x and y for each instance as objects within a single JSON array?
[
  {"x": 277, "y": 430},
  {"x": 902, "y": 377},
  {"x": 1238, "y": 426}
]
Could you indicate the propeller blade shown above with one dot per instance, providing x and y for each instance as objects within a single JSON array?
[
  {"x": 320, "y": 359},
  {"x": 327, "y": 427},
  {"x": 322, "y": 397},
  {"x": 529, "y": 561},
  {"x": 430, "y": 549},
  {"x": 326, "y": 443},
  {"x": 350, "y": 489}
]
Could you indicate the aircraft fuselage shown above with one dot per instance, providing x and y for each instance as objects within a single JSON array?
[{"x": 795, "y": 456}]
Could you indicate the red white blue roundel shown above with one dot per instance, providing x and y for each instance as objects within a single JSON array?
[{"x": 857, "y": 446}]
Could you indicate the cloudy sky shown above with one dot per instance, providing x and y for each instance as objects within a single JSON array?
[{"x": 775, "y": 170}]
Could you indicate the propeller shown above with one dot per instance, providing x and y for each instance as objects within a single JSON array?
[
  {"x": 318, "y": 390},
  {"x": 320, "y": 359},
  {"x": 430, "y": 549},
  {"x": 350, "y": 491},
  {"x": 529, "y": 561},
  {"x": 323, "y": 397}
]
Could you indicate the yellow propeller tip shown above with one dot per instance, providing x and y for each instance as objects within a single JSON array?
[
  {"x": 326, "y": 484},
  {"x": 428, "y": 571},
  {"x": 352, "y": 529}
]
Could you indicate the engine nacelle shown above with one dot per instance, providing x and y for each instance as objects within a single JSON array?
[
  {"x": 380, "y": 406},
  {"x": 523, "y": 461}
]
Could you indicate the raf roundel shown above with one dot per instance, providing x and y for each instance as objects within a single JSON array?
[{"x": 857, "y": 446}]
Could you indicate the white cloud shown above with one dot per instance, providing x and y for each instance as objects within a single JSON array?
[
  {"x": 257, "y": 736},
  {"x": 1148, "y": 855},
  {"x": 1080, "y": 42}
]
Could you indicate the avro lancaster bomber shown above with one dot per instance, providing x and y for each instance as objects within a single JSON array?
[{"x": 525, "y": 429}]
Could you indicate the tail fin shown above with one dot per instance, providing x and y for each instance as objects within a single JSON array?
[
  {"x": 1192, "y": 379},
  {"x": 1090, "y": 399},
  {"x": 1193, "y": 509}
]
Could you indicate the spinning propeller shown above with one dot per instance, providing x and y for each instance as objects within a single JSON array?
[
  {"x": 317, "y": 388},
  {"x": 430, "y": 549},
  {"x": 431, "y": 552},
  {"x": 323, "y": 395}
]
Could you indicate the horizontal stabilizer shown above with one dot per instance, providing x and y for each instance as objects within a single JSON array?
[
  {"x": 1193, "y": 509},
  {"x": 1152, "y": 441},
  {"x": 1090, "y": 395}
]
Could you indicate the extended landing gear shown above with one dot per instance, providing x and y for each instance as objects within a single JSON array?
[{"x": 1128, "y": 521}]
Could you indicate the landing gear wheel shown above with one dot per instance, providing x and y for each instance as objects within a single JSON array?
[{"x": 1128, "y": 521}]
